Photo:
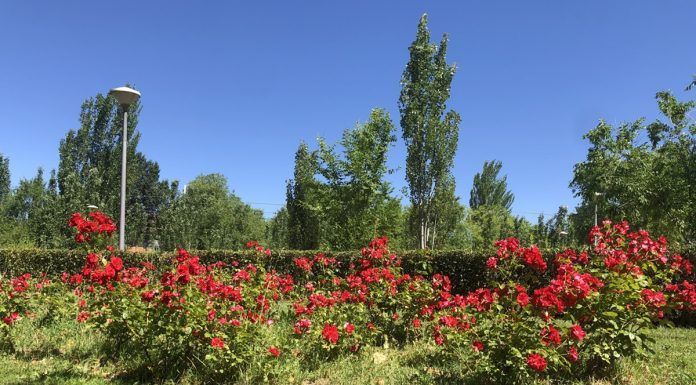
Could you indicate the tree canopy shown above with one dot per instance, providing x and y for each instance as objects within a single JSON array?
[{"x": 646, "y": 173}]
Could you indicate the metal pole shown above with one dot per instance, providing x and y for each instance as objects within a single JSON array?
[
  {"x": 596, "y": 238},
  {"x": 595, "y": 213},
  {"x": 122, "y": 223}
]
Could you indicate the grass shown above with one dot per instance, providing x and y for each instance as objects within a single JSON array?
[{"x": 69, "y": 353}]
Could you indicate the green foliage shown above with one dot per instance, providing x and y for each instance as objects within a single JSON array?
[
  {"x": 560, "y": 229},
  {"x": 490, "y": 190},
  {"x": 277, "y": 230},
  {"x": 647, "y": 172},
  {"x": 208, "y": 216},
  {"x": 4, "y": 177},
  {"x": 465, "y": 267},
  {"x": 66, "y": 353},
  {"x": 89, "y": 171},
  {"x": 430, "y": 133},
  {"x": 354, "y": 203},
  {"x": 490, "y": 203},
  {"x": 36, "y": 207},
  {"x": 303, "y": 222}
]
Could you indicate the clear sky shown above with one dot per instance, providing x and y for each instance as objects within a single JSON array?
[{"x": 233, "y": 87}]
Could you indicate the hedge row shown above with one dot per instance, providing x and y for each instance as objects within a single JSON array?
[{"x": 465, "y": 268}]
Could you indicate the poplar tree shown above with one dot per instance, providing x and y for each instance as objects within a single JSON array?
[
  {"x": 89, "y": 170},
  {"x": 4, "y": 177},
  {"x": 429, "y": 132},
  {"x": 303, "y": 224},
  {"x": 489, "y": 189}
]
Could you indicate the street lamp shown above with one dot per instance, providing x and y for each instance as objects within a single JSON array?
[
  {"x": 596, "y": 194},
  {"x": 563, "y": 234},
  {"x": 125, "y": 97}
]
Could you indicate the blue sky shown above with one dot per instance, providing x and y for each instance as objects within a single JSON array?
[{"x": 233, "y": 87}]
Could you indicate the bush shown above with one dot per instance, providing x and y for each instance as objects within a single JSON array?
[
  {"x": 466, "y": 269},
  {"x": 535, "y": 318}
]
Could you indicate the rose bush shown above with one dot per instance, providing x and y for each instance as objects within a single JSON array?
[
  {"x": 218, "y": 317},
  {"x": 193, "y": 315},
  {"x": 595, "y": 310}
]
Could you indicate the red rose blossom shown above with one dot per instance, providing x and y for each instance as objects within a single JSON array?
[
  {"x": 492, "y": 263},
  {"x": 577, "y": 333},
  {"x": 573, "y": 354},
  {"x": 217, "y": 343},
  {"x": 330, "y": 333},
  {"x": 274, "y": 351},
  {"x": 536, "y": 362}
]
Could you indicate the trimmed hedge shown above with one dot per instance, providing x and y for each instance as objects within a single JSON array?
[{"x": 465, "y": 268}]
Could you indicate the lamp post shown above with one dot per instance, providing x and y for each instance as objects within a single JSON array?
[
  {"x": 596, "y": 194},
  {"x": 563, "y": 234},
  {"x": 125, "y": 97}
]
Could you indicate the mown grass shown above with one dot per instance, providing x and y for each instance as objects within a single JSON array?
[{"x": 64, "y": 352}]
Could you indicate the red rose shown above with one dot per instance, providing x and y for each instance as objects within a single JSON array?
[
  {"x": 523, "y": 299},
  {"x": 577, "y": 333},
  {"x": 536, "y": 362},
  {"x": 573, "y": 354},
  {"x": 478, "y": 345},
  {"x": 83, "y": 316},
  {"x": 116, "y": 263},
  {"x": 274, "y": 351},
  {"x": 439, "y": 338},
  {"x": 349, "y": 327},
  {"x": 147, "y": 296},
  {"x": 492, "y": 263},
  {"x": 330, "y": 333},
  {"x": 550, "y": 335},
  {"x": 217, "y": 343},
  {"x": 10, "y": 319}
]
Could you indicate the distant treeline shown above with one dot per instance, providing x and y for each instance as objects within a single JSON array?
[{"x": 338, "y": 198}]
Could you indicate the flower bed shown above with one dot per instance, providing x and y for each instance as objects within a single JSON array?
[{"x": 213, "y": 318}]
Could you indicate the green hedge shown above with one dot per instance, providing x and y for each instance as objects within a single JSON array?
[{"x": 465, "y": 268}]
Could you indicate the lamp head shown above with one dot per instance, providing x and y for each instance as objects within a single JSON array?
[{"x": 125, "y": 95}]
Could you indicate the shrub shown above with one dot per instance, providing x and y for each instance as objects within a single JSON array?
[
  {"x": 596, "y": 309},
  {"x": 537, "y": 316}
]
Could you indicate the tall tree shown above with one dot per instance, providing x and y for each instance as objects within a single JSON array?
[
  {"x": 4, "y": 177},
  {"x": 541, "y": 232},
  {"x": 34, "y": 207},
  {"x": 646, "y": 172},
  {"x": 559, "y": 228},
  {"x": 277, "y": 230},
  {"x": 523, "y": 230},
  {"x": 303, "y": 223},
  {"x": 489, "y": 189},
  {"x": 355, "y": 203},
  {"x": 430, "y": 132},
  {"x": 89, "y": 170},
  {"x": 208, "y": 216}
]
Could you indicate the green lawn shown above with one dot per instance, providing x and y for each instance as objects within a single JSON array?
[{"x": 61, "y": 354}]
